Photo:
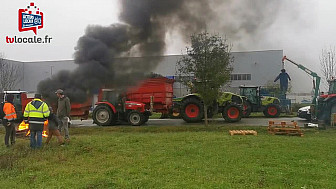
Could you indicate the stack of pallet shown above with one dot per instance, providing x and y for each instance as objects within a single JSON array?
[
  {"x": 285, "y": 128},
  {"x": 243, "y": 132}
]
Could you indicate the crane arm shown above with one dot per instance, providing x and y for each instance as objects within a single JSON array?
[{"x": 308, "y": 71}]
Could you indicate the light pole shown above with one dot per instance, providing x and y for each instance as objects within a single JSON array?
[{"x": 51, "y": 68}]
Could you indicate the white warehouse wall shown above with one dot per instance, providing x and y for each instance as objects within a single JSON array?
[
  {"x": 263, "y": 66},
  {"x": 34, "y": 72}
]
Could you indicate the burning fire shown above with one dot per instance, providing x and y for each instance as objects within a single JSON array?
[{"x": 25, "y": 127}]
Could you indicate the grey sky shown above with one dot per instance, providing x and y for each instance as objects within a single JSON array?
[
  {"x": 301, "y": 28},
  {"x": 65, "y": 21}
]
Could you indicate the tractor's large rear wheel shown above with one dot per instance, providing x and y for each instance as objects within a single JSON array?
[
  {"x": 232, "y": 113},
  {"x": 103, "y": 116},
  {"x": 136, "y": 118},
  {"x": 272, "y": 110},
  {"x": 192, "y": 110}
]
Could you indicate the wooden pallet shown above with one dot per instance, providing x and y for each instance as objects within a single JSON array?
[
  {"x": 284, "y": 128},
  {"x": 243, "y": 132}
]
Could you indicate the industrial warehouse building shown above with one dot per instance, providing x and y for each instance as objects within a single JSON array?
[{"x": 249, "y": 68}]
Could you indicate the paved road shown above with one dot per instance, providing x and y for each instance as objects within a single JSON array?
[{"x": 177, "y": 122}]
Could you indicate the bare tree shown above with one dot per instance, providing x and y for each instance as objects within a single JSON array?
[
  {"x": 328, "y": 63},
  {"x": 10, "y": 74}
]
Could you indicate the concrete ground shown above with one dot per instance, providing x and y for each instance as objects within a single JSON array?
[{"x": 256, "y": 121}]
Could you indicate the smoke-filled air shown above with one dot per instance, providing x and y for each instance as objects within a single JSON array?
[{"x": 102, "y": 54}]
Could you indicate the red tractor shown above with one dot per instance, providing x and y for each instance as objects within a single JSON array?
[{"x": 112, "y": 107}]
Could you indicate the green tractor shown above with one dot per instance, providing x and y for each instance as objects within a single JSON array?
[
  {"x": 254, "y": 102},
  {"x": 191, "y": 109}
]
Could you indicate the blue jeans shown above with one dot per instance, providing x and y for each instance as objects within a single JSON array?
[{"x": 35, "y": 139}]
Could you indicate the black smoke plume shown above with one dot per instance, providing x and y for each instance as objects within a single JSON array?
[
  {"x": 102, "y": 53},
  {"x": 99, "y": 53}
]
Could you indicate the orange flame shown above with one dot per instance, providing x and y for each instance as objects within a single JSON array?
[{"x": 25, "y": 127}]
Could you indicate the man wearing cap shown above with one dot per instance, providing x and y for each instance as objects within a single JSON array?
[
  {"x": 63, "y": 113},
  {"x": 36, "y": 112}
]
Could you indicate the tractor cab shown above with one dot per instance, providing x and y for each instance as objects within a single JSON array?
[
  {"x": 251, "y": 93},
  {"x": 332, "y": 86},
  {"x": 113, "y": 96},
  {"x": 254, "y": 102},
  {"x": 323, "y": 98}
]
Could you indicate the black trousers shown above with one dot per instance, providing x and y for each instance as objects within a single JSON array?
[{"x": 10, "y": 134}]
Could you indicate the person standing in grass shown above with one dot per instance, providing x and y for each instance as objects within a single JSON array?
[
  {"x": 35, "y": 114},
  {"x": 9, "y": 119},
  {"x": 63, "y": 113},
  {"x": 53, "y": 123}
]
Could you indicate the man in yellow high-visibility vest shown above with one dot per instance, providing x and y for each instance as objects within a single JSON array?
[{"x": 36, "y": 112}]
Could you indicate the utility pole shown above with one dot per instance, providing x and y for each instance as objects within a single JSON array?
[{"x": 51, "y": 68}]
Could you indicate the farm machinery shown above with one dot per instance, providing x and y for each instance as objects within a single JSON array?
[
  {"x": 255, "y": 102},
  {"x": 228, "y": 104},
  {"x": 156, "y": 95},
  {"x": 323, "y": 106}
]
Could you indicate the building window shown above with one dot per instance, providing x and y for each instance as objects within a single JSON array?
[{"x": 238, "y": 77}]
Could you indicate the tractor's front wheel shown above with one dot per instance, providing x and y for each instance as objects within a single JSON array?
[
  {"x": 272, "y": 110},
  {"x": 232, "y": 113},
  {"x": 136, "y": 118},
  {"x": 192, "y": 110}
]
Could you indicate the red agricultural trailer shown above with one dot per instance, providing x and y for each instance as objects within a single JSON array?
[
  {"x": 134, "y": 106},
  {"x": 155, "y": 93}
]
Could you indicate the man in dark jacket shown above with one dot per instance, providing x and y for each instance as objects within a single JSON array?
[
  {"x": 63, "y": 112},
  {"x": 284, "y": 77}
]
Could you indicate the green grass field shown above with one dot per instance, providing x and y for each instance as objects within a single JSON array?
[{"x": 173, "y": 157}]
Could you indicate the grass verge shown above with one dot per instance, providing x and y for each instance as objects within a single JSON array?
[{"x": 172, "y": 157}]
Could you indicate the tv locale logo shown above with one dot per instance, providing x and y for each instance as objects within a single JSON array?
[{"x": 30, "y": 18}]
